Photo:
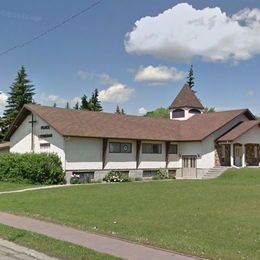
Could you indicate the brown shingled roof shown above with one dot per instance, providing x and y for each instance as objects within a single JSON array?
[
  {"x": 70, "y": 122},
  {"x": 239, "y": 131},
  {"x": 186, "y": 98}
]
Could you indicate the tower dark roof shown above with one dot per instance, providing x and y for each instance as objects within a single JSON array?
[{"x": 186, "y": 98}]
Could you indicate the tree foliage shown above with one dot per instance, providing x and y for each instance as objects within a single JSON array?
[
  {"x": 209, "y": 109},
  {"x": 191, "y": 78},
  {"x": 92, "y": 104},
  {"x": 21, "y": 93},
  {"x": 159, "y": 112},
  {"x": 119, "y": 111}
]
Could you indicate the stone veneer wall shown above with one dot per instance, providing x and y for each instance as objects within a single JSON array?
[
  {"x": 219, "y": 161},
  {"x": 250, "y": 155}
]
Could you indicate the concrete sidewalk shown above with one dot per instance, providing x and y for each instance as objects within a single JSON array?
[
  {"x": 12, "y": 251},
  {"x": 99, "y": 243}
]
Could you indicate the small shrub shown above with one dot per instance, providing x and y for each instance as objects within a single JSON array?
[
  {"x": 116, "y": 176},
  {"x": 162, "y": 174},
  {"x": 40, "y": 168},
  {"x": 138, "y": 179}
]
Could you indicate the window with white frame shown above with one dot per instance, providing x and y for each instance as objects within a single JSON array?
[{"x": 151, "y": 148}]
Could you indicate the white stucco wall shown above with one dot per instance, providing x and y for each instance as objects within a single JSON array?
[{"x": 20, "y": 141}]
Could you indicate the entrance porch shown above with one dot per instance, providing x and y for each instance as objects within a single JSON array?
[{"x": 237, "y": 154}]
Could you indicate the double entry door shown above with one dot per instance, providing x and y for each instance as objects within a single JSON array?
[{"x": 189, "y": 166}]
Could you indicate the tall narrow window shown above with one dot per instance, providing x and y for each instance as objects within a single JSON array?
[
  {"x": 256, "y": 151},
  {"x": 223, "y": 151}
]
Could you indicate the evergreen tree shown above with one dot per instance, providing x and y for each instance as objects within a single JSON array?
[
  {"x": 118, "y": 111},
  {"x": 76, "y": 106},
  {"x": 92, "y": 104},
  {"x": 190, "y": 77},
  {"x": 54, "y": 105},
  {"x": 95, "y": 104},
  {"x": 84, "y": 103},
  {"x": 21, "y": 93},
  {"x": 67, "y": 105}
]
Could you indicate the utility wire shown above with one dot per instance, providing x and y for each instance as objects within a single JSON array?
[{"x": 55, "y": 27}]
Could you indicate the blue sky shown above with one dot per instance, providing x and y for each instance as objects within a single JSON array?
[{"x": 144, "y": 70}]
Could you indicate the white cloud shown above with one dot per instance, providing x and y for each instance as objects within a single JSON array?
[
  {"x": 117, "y": 93},
  {"x": 105, "y": 79},
  {"x": 142, "y": 111},
  {"x": 3, "y": 99},
  {"x": 60, "y": 101},
  {"x": 183, "y": 32},
  {"x": 159, "y": 74}
]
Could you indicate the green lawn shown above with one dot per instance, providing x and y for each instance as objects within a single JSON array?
[
  {"x": 49, "y": 246},
  {"x": 218, "y": 219},
  {"x": 6, "y": 186}
]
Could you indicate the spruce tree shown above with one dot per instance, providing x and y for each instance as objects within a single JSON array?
[
  {"x": 54, "y": 105},
  {"x": 95, "y": 104},
  {"x": 21, "y": 93},
  {"x": 84, "y": 103},
  {"x": 67, "y": 105},
  {"x": 118, "y": 110},
  {"x": 190, "y": 77},
  {"x": 122, "y": 111},
  {"x": 76, "y": 107}
]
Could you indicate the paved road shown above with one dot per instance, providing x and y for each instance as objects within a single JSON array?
[
  {"x": 99, "y": 243},
  {"x": 11, "y": 251}
]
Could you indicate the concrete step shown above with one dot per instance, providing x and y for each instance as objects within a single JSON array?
[{"x": 214, "y": 172}]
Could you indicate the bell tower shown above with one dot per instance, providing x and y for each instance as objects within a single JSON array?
[{"x": 185, "y": 105}]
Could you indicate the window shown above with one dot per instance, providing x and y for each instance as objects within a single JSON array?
[
  {"x": 45, "y": 135},
  {"x": 194, "y": 111},
  {"x": 43, "y": 127},
  {"x": 85, "y": 175},
  {"x": 173, "y": 149},
  {"x": 256, "y": 152},
  {"x": 149, "y": 174},
  {"x": 223, "y": 151},
  {"x": 177, "y": 113},
  {"x": 45, "y": 145},
  {"x": 117, "y": 147},
  {"x": 151, "y": 148}
]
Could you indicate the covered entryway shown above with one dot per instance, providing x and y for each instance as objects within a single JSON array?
[
  {"x": 238, "y": 153},
  {"x": 189, "y": 166},
  {"x": 244, "y": 142}
]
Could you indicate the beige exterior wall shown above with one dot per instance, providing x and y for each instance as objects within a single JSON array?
[{"x": 83, "y": 153}]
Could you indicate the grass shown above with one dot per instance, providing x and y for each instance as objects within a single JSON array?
[
  {"x": 217, "y": 219},
  {"x": 49, "y": 246},
  {"x": 7, "y": 186}
]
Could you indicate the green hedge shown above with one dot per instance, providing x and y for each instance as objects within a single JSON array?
[{"x": 31, "y": 168}]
